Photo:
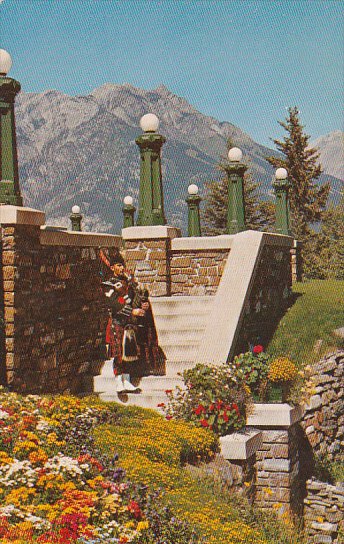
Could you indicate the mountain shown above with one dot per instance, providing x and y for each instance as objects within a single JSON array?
[
  {"x": 331, "y": 149},
  {"x": 81, "y": 150}
]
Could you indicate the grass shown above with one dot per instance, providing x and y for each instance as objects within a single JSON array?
[
  {"x": 305, "y": 333},
  {"x": 152, "y": 450}
]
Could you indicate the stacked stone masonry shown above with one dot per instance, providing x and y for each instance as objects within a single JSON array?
[
  {"x": 278, "y": 485},
  {"x": 324, "y": 513},
  {"x": 323, "y": 420},
  {"x": 165, "y": 272},
  {"x": 53, "y": 311},
  {"x": 197, "y": 273}
]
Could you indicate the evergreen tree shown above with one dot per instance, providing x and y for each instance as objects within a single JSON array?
[
  {"x": 327, "y": 246},
  {"x": 259, "y": 215},
  {"x": 307, "y": 199}
]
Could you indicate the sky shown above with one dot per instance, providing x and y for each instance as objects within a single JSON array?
[{"x": 241, "y": 61}]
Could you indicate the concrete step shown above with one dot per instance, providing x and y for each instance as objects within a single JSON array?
[
  {"x": 189, "y": 306},
  {"x": 181, "y": 352},
  {"x": 180, "y": 322},
  {"x": 143, "y": 401},
  {"x": 180, "y": 336}
]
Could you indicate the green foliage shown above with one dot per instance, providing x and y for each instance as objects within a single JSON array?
[
  {"x": 252, "y": 370},
  {"x": 328, "y": 471},
  {"x": 327, "y": 246},
  {"x": 305, "y": 332},
  {"x": 213, "y": 398},
  {"x": 307, "y": 199}
]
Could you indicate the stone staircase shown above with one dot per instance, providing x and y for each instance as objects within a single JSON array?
[{"x": 180, "y": 322}]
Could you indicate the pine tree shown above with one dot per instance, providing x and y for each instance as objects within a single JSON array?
[
  {"x": 307, "y": 199},
  {"x": 259, "y": 215},
  {"x": 327, "y": 246}
]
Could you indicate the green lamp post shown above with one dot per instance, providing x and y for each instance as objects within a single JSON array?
[
  {"x": 281, "y": 186},
  {"x": 128, "y": 212},
  {"x": 236, "y": 203},
  {"x": 193, "y": 201},
  {"x": 75, "y": 218},
  {"x": 151, "y": 200},
  {"x": 9, "y": 176}
]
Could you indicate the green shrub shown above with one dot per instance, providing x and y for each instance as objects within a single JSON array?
[
  {"x": 251, "y": 368},
  {"x": 213, "y": 398}
]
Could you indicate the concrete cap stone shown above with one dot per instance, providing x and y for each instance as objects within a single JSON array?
[
  {"x": 18, "y": 215},
  {"x": 150, "y": 232},
  {"x": 274, "y": 415},
  {"x": 241, "y": 445},
  {"x": 76, "y": 238},
  {"x": 202, "y": 243}
]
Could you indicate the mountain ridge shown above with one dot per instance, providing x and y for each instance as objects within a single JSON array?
[{"x": 82, "y": 150}]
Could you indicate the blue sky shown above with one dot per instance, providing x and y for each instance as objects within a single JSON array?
[{"x": 242, "y": 61}]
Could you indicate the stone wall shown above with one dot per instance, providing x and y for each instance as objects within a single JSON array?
[
  {"x": 280, "y": 485},
  {"x": 269, "y": 297},
  {"x": 168, "y": 265},
  {"x": 197, "y": 273},
  {"x": 323, "y": 420},
  {"x": 53, "y": 307},
  {"x": 324, "y": 513}
]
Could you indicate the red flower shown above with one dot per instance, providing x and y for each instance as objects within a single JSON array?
[
  {"x": 236, "y": 408},
  {"x": 168, "y": 391},
  {"x": 225, "y": 417},
  {"x": 199, "y": 410},
  {"x": 211, "y": 407},
  {"x": 258, "y": 349},
  {"x": 121, "y": 300},
  {"x": 135, "y": 509},
  {"x": 168, "y": 418},
  {"x": 204, "y": 423},
  {"x": 161, "y": 405}
]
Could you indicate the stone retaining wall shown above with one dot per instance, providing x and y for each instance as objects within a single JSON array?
[
  {"x": 53, "y": 308},
  {"x": 323, "y": 420},
  {"x": 324, "y": 513},
  {"x": 197, "y": 273}
]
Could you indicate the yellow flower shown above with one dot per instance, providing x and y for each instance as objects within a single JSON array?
[
  {"x": 142, "y": 525},
  {"x": 282, "y": 369}
]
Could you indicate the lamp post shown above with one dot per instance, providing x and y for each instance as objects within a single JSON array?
[
  {"x": 9, "y": 175},
  {"x": 75, "y": 218},
  {"x": 128, "y": 212},
  {"x": 151, "y": 200},
  {"x": 236, "y": 204},
  {"x": 281, "y": 186},
  {"x": 193, "y": 201}
]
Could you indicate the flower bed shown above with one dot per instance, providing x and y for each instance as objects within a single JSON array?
[{"x": 56, "y": 487}]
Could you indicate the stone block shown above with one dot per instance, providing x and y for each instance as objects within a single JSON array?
[
  {"x": 325, "y": 527},
  {"x": 8, "y": 258},
  {"x": 136, "y": 255},
  {"x": 274, "y": 415},
  {"x": 276, "y": 465},
  {"x": 8, "y": 273},
  {"x": 9, "y": 342},
  {"x": 181, "y": 262},
  {"x": 8, "y": 285},
  {"x": 157, "y": 255},
  {"x": 9, "y": 329},
  {"x": 9, "y": 298},
  {"x": 280, "y": 451},
  {"x": 9, "y": 314},
  {"x": 8, "y": 242},
  {"x": 242, "y": 445}
]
